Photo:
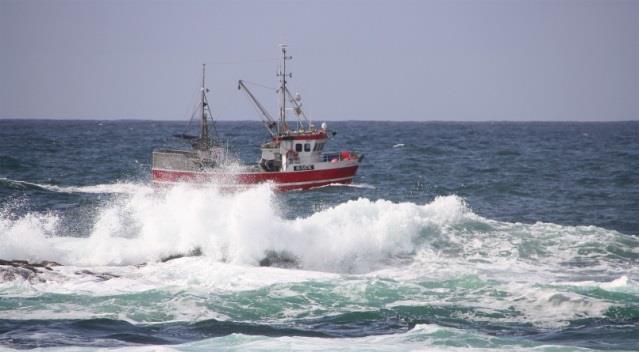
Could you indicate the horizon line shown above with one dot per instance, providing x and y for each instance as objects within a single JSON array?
[{"x": 257, "y": 121}]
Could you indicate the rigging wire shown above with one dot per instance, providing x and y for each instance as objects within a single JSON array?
[
  {"x": 241, "y": 62},
  {"x": 197, "y": 108},
  {"x": 213, "y": 125},
  {"x": 260, "y": 85},
  {"x": 194, "y": 110}
]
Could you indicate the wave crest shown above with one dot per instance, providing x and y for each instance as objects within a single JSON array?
[{"x": 357, "y": 236}]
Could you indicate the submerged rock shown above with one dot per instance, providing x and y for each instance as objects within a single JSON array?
[
  {"x": 101, "y": 276},
  {"x": 195, "y": 252},
  {"x": 13, "y": 269},
  {"x": 279, "y": 259},
  {"x": 37, "y": 272}
]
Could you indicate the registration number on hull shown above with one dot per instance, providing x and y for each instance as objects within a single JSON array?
[{"x": 303, "y": 167}]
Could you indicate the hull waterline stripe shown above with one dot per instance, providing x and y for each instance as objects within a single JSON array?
[
  {"x": 250, "y": 173},
  {"x": 277, "y": 184},
  {"x": 251, "y": 178}
]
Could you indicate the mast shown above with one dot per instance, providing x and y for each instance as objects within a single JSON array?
[
  {"x": 204, "y": 125},
  {"x": 281, "y": 128}
]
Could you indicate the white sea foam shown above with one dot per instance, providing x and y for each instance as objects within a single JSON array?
[
  {"x": 620, "y": 284},
  {"x": 236, "y": 228},
  {"x": 616, "y": 284},
  {"x": 356, "y": 236},
  {"x": 28, "y": 237},
  {"x": 351, "y": 246}
]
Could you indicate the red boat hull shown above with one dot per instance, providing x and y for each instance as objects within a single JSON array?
[{"x": 282, "y": 180}]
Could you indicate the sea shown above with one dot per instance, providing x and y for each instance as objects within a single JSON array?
[{"x": 454, "y": 236}]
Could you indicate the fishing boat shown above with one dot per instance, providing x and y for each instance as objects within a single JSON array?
[{"x": 292, "y": 159}]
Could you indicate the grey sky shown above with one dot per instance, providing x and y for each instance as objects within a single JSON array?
[{"x": 366, "y": 60}]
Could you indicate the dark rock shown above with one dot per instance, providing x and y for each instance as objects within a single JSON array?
[
  {"x": 13, "y": 269},
  {"x": 101, "y": 276},
  {"x": 195, "y": 252},
  {"x": 29, "y": 266},
  {"x": 280, "y": 260}
]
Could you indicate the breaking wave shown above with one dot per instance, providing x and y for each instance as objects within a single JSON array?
[
  {"x": 413, "y": 259},
  {"x": 140, "y": 225}
]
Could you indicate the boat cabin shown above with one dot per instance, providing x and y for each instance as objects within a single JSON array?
[{"x": 296, "y": 151}]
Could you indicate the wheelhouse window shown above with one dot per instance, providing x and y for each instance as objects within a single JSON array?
[
  {"x": 318, "y": 147},
  {"x": 307, "y": 147},
  {"x": 298, "y": 147}
]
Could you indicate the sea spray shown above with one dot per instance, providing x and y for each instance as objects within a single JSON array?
[
  {"x": 354, "y": 237},
  {"x": 240, "y": 228},
  {"x": 422, "y": 262},
  {"x": 409, "y": 259}
]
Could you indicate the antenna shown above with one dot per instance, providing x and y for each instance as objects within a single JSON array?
[
  {"x": 204, "y": 125},
  {"x": 282, "y": 127}
]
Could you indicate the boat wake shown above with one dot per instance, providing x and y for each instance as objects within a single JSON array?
[
  {"x": 120, "y": 187},
  {"x": 351, "y": 185}
]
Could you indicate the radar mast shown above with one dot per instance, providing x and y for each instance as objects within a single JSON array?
[{"x": 283, "y": 127}]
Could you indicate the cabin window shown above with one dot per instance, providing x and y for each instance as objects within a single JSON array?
[
  {"x": 307, "y": 147},
  {"x": 298, "y": 147},
  {"x": 318, "y": 146}
]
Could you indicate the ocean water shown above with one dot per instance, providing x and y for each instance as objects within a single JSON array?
[{"x": 454, "y": 236}]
